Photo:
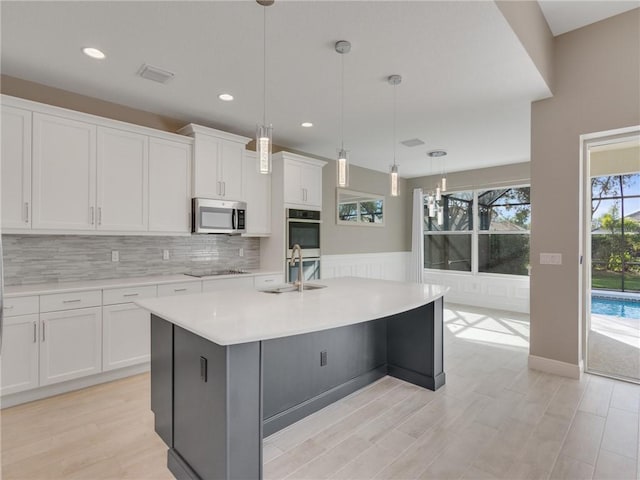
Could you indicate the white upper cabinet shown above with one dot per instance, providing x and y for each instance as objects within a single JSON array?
[
  {"x": 16, "y": 168},
  {"x": 302, "y": 181},
  {"x": 122, "y": 180},
  {"x": 64, "y": 170},
  {"x": 257, "y": 194},
  {"x": 169, "y": 186},
  {"x": 217, "y": 162}
]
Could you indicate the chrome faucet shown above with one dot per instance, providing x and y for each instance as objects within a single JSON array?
[{"x": 296, "y": 248}]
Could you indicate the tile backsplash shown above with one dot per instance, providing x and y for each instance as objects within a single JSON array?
[{"x": 30, "y": 259}]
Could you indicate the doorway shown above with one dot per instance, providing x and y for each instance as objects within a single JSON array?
[{"x": 612, "y": 255}]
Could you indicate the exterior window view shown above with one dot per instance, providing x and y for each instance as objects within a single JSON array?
[
  {"x": 614, "y": 331},
  {"x": 500, "y": 231}
]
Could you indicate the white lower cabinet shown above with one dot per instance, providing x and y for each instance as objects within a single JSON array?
[
  {"x": 219, "y": 284},
  {"x": 70, "y": 344},
  {"x": 125, "y": 336},
  {"x": 19, "y": 354}
]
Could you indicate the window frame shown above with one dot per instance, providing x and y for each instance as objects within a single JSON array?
[{"x": 475, "y": 233}]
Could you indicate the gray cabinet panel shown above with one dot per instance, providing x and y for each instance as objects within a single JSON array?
[
  {"x": 199, "y": 406},
  {"x": 162, "y": 377},
  {"x": 292, "y": 369}
]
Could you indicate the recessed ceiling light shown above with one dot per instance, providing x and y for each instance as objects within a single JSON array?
[
  {"x": 93, "y": 53},
  {"x": 306, "y": 124},
  {"x": 225, "y": 97}
]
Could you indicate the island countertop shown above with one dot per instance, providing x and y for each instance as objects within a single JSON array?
[{"x": 245, "y": 315}]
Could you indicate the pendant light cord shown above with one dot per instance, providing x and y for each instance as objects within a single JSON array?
[
  {"x": 342, "y": 103},
  {"x": 394, "y": 124},
  {"x": 264, "y": 65}
]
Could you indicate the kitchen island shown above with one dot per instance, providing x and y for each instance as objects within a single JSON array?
[{"x": 228, "y": 368}]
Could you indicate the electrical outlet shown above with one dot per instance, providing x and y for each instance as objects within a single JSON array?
[
  {"x": 241, "y": 252},
  {"x": 165, "y": 254},
  {"x": 115, "y": 256},
  {"x": 323, "y": 358},
  {"x": 550, "y": 259}
]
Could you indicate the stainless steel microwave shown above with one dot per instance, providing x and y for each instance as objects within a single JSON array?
[{"x": 218, "y": 216}]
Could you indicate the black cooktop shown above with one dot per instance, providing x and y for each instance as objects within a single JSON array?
[{"x": 214, "y": 273}]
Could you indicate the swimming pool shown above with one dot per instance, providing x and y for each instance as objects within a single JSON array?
[{"x": 618, "y": 307}]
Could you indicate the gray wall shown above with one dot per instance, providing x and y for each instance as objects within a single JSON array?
[
  {"x": 30, "y": 259},
  {"x": 597, "y": 74},
  {"x": 395, "y": 236},
  {"x": 505, "y": 175}
]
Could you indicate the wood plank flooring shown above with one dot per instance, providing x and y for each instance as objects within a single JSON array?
[{"x": 494, "y": 418}]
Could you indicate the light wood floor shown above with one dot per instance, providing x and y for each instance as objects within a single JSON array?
[{"x": 493, "y": 419}]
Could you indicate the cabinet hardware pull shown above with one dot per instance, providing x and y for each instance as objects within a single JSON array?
[
  {"x": 9, "y": 307},
  {"x": 203, "y": 369},
  {"x": 91, "y": 209},
  {"x": 43, "y": 329},
  {"x": 179, "y": 289},
  {"x": 26, "y": 212},
  {"x": 219, "y": 188},
  {"x": 131, "y": 294},
  {"x": 35, "y": 332},
  {"x": 224, "y": 189},
  {"x": 99, "y": 215},
  {"x": 72, "y": 301}
]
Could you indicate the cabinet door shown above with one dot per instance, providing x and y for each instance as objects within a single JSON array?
[
  {"x": 70, "y": 344},
  {"x": 64, "y": 173},
  {"x": 125, "y": 336},
  {"x": 16, "y": 168},
  {"x": 311, "y": 179},
  {"x": 206, "y": 167},
  {"x": 293, "y": 192},
  {"x": 19, "y": 354},
  {"x": 231, "y": 174},
  {"x": 122, "y": 180},
  {"x": 169, "y": 192},
  {"x": 257, "y": 194}
]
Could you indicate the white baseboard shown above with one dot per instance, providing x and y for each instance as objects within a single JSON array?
[
  {"x": 383, "y": 265},
  {"x": 64, "y": 387},
  {"x": 556, "y": 367}
]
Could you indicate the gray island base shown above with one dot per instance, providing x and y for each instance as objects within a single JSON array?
[{"x": 213, "y": 404}]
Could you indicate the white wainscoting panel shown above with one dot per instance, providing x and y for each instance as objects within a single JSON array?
[
  {"x": 384, "y": 265},
  {"x": 491, "y": 291}
]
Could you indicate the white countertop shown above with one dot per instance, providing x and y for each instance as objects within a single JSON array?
[
  {"x": 64, "y": 287},
  {"x": 246, "y": 315}
]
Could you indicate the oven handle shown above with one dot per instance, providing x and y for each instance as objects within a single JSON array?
[
  {"x": 301, "y": 220},
  {"x": 233, "y": 219}
]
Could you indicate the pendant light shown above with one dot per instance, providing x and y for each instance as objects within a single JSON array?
[
  {"x": 443, "y": 180},
  {"x": 342, "y": 165},
  {"x": 264, "y": 132},
  {"x": 394, "y": 80}
]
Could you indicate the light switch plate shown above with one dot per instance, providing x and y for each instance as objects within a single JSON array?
[
  {"x": 550, "y": 259},
  {"x": 165, "y": 254}
]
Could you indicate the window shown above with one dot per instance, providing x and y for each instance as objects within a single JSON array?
[
  {"x": 448, "y": 246},
  {"x": 484, "y": 231},
  {"x": 615, "y": 232},
  {"x": 504, "y": 217}
]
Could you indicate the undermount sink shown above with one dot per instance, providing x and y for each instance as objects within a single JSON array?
[{"x": 289, "y": 287}]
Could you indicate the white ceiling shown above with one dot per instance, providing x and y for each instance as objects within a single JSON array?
[
  {"x": 467, "y": 81},
  {"x": 566, "y": 15}
]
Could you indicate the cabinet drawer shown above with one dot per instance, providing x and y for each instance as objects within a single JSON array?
[
  {"x": 181, "y": 288},
  {"x": 20, "y": 306},
  {"x": 226, "y": 284},
  {"x": 68, "y": 301},
  {"x": 130, "y": 294},
  {"x": 265, "y": 281}
]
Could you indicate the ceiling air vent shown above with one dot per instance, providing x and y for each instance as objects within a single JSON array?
[
  {"x": 413, "y": 142},
  {"x": 156, "y": 74}
]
